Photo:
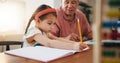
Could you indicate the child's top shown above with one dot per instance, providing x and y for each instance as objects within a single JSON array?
[{"x": 32, "y": 30}]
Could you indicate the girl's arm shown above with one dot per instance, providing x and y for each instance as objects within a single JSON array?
[
  {"x": 51, "y": 36},
  {"x": 58, "y": 44}
]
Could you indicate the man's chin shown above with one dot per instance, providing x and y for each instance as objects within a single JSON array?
[{"x": 69, "y": 13}]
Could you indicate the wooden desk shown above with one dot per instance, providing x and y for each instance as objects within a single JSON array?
[{"x": 82, "y": 57}]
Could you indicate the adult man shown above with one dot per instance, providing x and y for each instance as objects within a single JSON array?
[{"x": 66, "y": 25}]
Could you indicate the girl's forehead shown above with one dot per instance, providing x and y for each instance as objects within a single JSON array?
[{"x": 51, "y": 17}]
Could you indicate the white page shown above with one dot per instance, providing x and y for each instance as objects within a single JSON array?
[{"x": 40, "y": 53}]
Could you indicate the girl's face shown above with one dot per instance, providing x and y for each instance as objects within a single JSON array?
[
  {"x": 70, "y": 6},
  {"x": 47, "y": 24}
]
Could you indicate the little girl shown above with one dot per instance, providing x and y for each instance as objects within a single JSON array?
[{"x": 45, "y": 18}]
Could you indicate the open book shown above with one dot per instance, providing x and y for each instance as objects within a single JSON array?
[{"x": 41, "y": 53}]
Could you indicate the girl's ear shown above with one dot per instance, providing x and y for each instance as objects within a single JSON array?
[{"x": 37, "y": 21}]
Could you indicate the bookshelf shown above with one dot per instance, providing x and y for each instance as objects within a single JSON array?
[{"x": 106, "y": 31}]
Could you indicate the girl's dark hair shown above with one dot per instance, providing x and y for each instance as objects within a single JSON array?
[{"x": 40, "y": 8}]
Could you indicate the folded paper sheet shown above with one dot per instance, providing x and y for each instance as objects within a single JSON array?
[{"x": 41, "y": 53}]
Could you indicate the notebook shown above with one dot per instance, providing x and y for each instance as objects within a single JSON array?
[{"x": 41, "y": 53}]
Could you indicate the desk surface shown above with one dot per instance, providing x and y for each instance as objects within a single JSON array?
[{"x": 82, "y": 57}]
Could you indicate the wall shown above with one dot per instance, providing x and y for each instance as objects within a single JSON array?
[
  {"x": 57, "y": 3},
  {"x": 31, "y": 6},
  {"x": 12, "y": 15}
]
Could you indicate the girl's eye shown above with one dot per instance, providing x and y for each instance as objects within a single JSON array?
[{"x": 49, "y": 23}]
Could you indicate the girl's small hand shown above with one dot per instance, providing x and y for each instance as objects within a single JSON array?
[
  {"x": 79, "y": 46},
  {"x": 83, "y": 46}
]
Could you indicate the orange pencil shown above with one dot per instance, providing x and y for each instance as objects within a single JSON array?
[{"x": 80, "y": 31}]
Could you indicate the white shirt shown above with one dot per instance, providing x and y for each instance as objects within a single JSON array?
[{"x": 31, "y": 31}]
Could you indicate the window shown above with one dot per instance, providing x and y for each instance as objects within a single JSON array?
[{"x": 12, "y": 17}]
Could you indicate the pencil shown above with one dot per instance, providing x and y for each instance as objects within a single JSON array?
[{"x": 80, "y": 31}]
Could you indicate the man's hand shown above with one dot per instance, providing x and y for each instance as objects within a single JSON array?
[{"x": 73, "y": 37}]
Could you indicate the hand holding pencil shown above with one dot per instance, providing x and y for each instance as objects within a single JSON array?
[{"x": 82, "y": 45}]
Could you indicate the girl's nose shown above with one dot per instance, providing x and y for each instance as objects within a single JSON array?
[{"x": 52, "y": 26}]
